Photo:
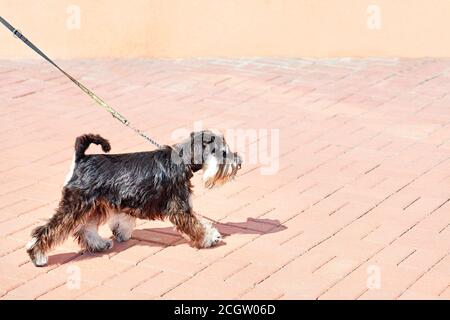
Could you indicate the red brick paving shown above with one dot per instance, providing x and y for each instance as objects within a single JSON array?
[{"x": 363, "y": 181}]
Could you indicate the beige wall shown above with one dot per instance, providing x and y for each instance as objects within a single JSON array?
[{"x": 187, "y": 28}]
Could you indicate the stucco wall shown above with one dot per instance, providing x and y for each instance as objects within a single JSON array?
[{"x": 199, "y": 28}]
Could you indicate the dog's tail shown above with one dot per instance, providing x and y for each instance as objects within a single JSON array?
[{"x": 83, "y": 142}]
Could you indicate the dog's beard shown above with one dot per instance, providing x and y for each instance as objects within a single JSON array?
[{"x": 217, "y": 174}]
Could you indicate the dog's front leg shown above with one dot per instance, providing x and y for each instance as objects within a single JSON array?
[
  {"x": 212, "y": 235},
  {"x": 201, "y": 233}
]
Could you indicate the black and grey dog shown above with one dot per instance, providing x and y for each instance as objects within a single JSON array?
[{"x": 119, "y": 188}]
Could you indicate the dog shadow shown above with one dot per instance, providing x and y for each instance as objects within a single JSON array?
[{"x": 167, "y": 236}]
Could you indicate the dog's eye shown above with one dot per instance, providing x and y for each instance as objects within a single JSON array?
[
  {"x": 213, "y": 150},
  {"x": 224, "y": 154}
]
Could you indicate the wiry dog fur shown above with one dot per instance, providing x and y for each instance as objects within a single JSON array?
[{"x": 122, "y": 187}]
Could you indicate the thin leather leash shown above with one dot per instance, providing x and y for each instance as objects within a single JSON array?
[{"x": 94, "y": 97}]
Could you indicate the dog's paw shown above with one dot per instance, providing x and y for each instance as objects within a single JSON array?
[
  {"x": 100, "y": 246},
  {"x": 216, "y": 238},
  {"x": 107, "y": 244},
  {"x": 39, "y": 259},
  {"x": 212, "y": 237},
  {"x": 121, "y": 236}
]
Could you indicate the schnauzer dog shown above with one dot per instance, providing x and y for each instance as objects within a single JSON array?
[{"x": 119, "y": 188}]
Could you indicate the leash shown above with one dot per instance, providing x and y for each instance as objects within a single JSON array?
[{"x": 94, "y": 97}]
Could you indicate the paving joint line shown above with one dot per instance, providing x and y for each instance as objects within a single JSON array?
[{"x": 421, "y": 275}]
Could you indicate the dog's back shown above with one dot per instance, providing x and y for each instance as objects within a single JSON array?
[
  {"x": 106, "y": 175},
  {"x": 102, "y": 172}
]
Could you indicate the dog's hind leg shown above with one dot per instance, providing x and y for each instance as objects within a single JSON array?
[
  {"x": 87, "y": 233},
  {"x": 71, "y": 212},
  {"x": 200, "y": 232},
  {"x": 122, "y": 226},
  {"x": 89, "y": 239}
]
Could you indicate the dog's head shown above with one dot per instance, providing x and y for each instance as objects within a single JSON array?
[{"x": 208, "y": 151}]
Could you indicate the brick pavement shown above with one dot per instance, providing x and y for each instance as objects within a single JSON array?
[{"x": 358, "y": 208}]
